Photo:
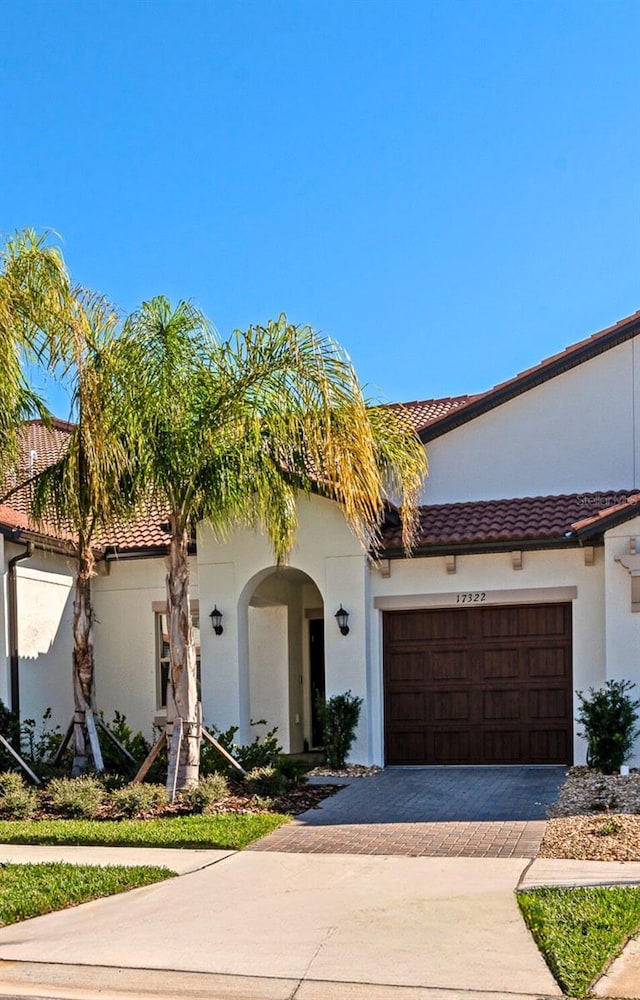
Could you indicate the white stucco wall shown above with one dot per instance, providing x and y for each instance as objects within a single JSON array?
[
  {"x": 269, "y": 670},
  {"x": 125, "y": 637},
  {"x": 4, "y": 651},
  {"x": 580, "y": 431},
  {"x": 45, "y": 641},
  {"x": 494, "y": 572},
  {"x": 622, "y": 624},
  {"x": 229, "y": 573}
]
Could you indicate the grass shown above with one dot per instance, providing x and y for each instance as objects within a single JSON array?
[
  {"x": 31, "y": 890},
  {"x": 580, "y": 931},
  {"x": 229, "y": 831}
]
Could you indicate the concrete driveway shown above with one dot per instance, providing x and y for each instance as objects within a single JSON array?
[{"x": 437, "y": 812}]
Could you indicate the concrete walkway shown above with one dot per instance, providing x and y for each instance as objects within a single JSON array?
[
  {"x": 284, "y": 925},
  {"x": 275, "y": 926}
]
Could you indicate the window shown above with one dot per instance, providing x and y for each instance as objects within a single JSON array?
[{"x": 162, "y": 653}]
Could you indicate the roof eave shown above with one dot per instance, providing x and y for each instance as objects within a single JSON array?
[
  {"x": 484, "y": 548},
  {"x": 603, "y": 524},
  {"x": 529, "y": 380}
]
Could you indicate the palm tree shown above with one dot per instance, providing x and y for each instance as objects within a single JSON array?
[
  {"x": 33, "y": 288},
  {"x": 231, "y": 433},
  {"x": 92, "y": 484}
]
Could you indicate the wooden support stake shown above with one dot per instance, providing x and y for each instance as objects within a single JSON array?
[
  {"x": 151, "y": 756},
  {"x": 90, "y": 723},
  {"x": 65, "y": 743},
  {"x": 21, "y": 762},
  {"x": 114, "y": 739},
  {"x": 224, "y": 753},
  {"x": 174, "y": 758}
]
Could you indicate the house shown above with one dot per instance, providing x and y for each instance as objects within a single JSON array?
[{"x": 523, "y": 588}]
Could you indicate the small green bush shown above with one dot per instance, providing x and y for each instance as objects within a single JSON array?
[
  {"x": 265, "y": 781},
  {"x": 259, "y": 753},
  {"x": 209, "y": 790},
  {"x": 115, "y": 761},
  {"x": 293, "y": 769},
  {"x": 10, "y": 729},
  {"x": 77, "y": 798},
  {"x": 136, "y": 800},
  {"x": 608, "y": 718},
  {"x": 40, "y": 742},
  {"x": 17, "y": 800},
  {"x": 339, "y": 717}
]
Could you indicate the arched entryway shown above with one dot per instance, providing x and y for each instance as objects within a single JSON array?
[{"x": 285, "y": 646}]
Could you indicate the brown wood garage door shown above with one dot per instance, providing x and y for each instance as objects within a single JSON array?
[{"x": 488, "y": 685}]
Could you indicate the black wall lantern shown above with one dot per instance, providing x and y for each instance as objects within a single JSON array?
[
  {"x": 342, "y": 618},
  {"x": 216, "y": 621}
]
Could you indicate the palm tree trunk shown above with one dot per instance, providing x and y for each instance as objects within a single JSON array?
[
  {"x": 183, "y": 693},
  {"x": 83, "y": 662}
]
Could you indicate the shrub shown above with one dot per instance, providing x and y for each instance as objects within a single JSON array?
[
  {"x": 259, "y": 753},
  {"x": 115, "y": 761},
  {"x": 78, "y": 798},
  {"x": 209, "y": 790},
  {"x": 608, "y": 717},
  {"x": 293, "y": 769},
  {"x": 136, "y": 800},
  {"x": 339, "y": 717},
  {"x": 265, "y": 781},
  {"x": 40, "y": 743},
  {"x": 17, "y": 800},
  {"x": 10, "y": 729}
]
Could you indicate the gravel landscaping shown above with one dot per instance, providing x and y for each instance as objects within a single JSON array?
[{"x": 596, "y": 818}]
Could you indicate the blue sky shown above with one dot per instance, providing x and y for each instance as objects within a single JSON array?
[{"x": 450, "y": 189}]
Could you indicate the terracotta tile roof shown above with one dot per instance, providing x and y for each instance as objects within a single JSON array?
[
  {"x": 11, "y": 518},
  {"x": 144, "y": 532},
  {"x": 41, "y": 446},
  {"x": 422, "y": 412},
  {"x": 572, "y": 356},
  {"x": 599, "y": 519},
  {"x": 518, "y": 520}
]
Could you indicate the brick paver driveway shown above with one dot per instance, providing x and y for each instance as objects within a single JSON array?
[{"x": 448, "y": 812}]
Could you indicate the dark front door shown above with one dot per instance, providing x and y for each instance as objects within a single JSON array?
[
  {"x": 476, "y": 685},
  {"x": 316, "y": 668}
]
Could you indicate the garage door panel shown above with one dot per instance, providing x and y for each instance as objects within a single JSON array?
[
  {"x": 547, "y": 662},
  {"x": 505, "y": 705},
  {"x": 550, "y": 745},
  {"x": 549, "y": 703},
  {"x": 481, "y": 686},
  {"x": 408, "y": 666},
  {"x": 407, "y": 707},
  {"x": 498, "y": 664},
  {"x": 450, "y": 665},
  {"x": 545, "y": 619},
  {"x": 449, "y": 706},
  {"x": 407, "y": 747},
  {"x": 451, "y": 746},
  {"x": 494, "y": 624},
  {"x": 501, "y": 746}
]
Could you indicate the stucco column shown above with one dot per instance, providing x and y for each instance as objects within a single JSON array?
[
  {"x": 622, "y": 624},
  {"x": 223, "y": 658},
  {"x": 346, "y": 656},
  {"x": 4, "y": 652}
]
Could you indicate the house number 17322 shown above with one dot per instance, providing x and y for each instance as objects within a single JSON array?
[{"x": 476, "y": 598}]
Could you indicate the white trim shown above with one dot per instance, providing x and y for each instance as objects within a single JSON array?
[
  {"x": 161, "y": 606},
  {"x": 532, "y": 595}
]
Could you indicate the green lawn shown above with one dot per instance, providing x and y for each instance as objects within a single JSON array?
[
  {"x": 580, "y": 931},
  {"x": 30, "y": 890},
  {"x": 230, "y": 831}
]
